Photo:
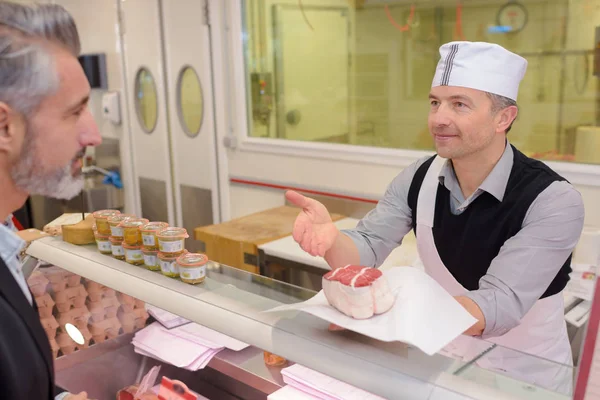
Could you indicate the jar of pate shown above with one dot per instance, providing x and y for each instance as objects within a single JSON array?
[{"x": 192, "y": 267}]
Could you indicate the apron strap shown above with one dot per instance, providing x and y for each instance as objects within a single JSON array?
[{"x": 428, "y": 192}]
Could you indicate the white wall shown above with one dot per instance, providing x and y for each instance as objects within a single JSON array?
[
  {"x": 335, "y": 176},
  {"x": 98, "y": 31}
]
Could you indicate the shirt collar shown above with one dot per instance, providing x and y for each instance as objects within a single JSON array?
[
  {"x": 10, "y": 244},
  {"x": 497, "y": 180}
]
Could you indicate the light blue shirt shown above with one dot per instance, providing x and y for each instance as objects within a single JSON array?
[
  {"x": 10, "y": 248},
  {"x": 527, "y": 262}
]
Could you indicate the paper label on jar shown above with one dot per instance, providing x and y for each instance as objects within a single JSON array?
[
  {"x": 150, "y": 260},
  {"x": 104, "y": 246},
  {"x": 171, "y": 247},
  {"x": 149, "y": 240},
  {"x": 116, "y": 231},
  {"x": 168, "y": 267},
  {"x": 134, "y": 255},
  {"x": 117, "y": 250},
  {"x": 193, "y": 273}
]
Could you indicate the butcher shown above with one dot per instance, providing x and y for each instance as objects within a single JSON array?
[{"x": 494, "y": 227}]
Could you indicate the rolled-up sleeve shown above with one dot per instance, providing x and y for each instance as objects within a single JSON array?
[
  {"x": 383, "y": 228},
  {"x": 530, "y": 260}
]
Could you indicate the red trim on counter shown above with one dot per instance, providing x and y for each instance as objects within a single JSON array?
[{"x": 297, "y": 189}]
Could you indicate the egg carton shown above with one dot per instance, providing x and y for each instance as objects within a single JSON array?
[
  {"x": 103, "y": 309},
  {"x": 38, "y": 283},
  {"x": 129, "y": 303},
  {"x": 54, "y": 346},
  {"x": 91, "y": 285},
  {"x": 79, "y": 317},
  {"x": 132, "y": 320},
  {"x": 45, "y": 305},
  {"x": 50, "y": 326},
  {"x": 71, "y": 297},
  {"x": 97, "y": 294},
  {"x": 67, "y": 345},
  {"x": 109, "y": 328},
  {"x": 60, "y": 279}
]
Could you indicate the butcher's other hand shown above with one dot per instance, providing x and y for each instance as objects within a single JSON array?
[
  {"x": 80, "y": 396},
  {"x": 313, "y": 230}
]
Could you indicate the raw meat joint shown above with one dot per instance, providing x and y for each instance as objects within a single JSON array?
[{"x": 359, "y": 292}]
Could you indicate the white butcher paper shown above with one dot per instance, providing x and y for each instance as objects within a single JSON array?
[{"x": 424, "y": 314}]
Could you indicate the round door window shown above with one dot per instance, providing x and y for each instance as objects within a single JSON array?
[
  {"x": 146, "y": 102},
  {"x": 190, "y": 101}
]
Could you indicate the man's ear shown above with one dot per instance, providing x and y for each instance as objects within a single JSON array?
[
  {"x": 4, "y": 112},
  {"x": 12, "y": 128},
  {"x": 506, "y": 118}
]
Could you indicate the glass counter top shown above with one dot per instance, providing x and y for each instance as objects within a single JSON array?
[{"x": 233, "y": 302}]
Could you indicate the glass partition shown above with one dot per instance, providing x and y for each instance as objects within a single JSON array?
[
  {"x": 237, "y": 292},
  {"x": 359, "y": 72}
]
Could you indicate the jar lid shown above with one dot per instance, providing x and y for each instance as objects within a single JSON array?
[
  {"x": 115, "y": 240},
  {"x": 133, "y": 223},
  {"x": 117, "y": 218},
  {"x": 173, "y": 232},
  {"x": 130, "y": 247},
  {"x": 150, "y": 252},
  {"x": 104, "y": 214},
  {"x": 154, "y": 226},
  {"x": 101, "y": 236},
  {"x": 192, "y": 259},
  {"x": 166, "y": 257}
]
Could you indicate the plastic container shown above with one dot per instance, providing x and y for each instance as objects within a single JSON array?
[
  {"x": 101, "y": 219},
  {"x": 149, "y": 232},
  {"x": 168, "y": 265},
  {"x": 171, "y": 241},
  {"x": 133, "y": 254},
  {"x": 131, "y": 231},
  {"x": 103, "y": 243},
  {"x": 116, "y": 245},
  {"x": 115, "y": 221},
  {"x": 192, "y": 267},
  {"x": 151, "y": 259}
]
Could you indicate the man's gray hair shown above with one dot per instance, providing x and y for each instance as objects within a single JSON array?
[
  {"x": 27, "y": 68},
  {"x": 500, "y": 103}
]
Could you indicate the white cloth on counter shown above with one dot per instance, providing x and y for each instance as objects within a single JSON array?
[
  {"x": 315, "y": 385},
  {"x": 189, "y": 346}
]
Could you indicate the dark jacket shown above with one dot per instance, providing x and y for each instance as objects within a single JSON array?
[{"x": 26, "y": 365}]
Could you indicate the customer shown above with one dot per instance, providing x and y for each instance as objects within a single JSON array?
[{"x": 45, "y": 126}]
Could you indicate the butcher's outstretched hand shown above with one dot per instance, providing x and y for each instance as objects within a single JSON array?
[{"x": 313, "y": 230}]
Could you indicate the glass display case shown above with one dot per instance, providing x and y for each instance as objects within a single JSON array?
[{"x": 233, "y": 302}]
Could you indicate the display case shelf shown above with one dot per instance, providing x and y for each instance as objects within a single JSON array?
[{"x": 233, "y": 302}]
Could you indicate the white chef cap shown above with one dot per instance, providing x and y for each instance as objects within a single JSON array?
[{"x": 482, "y": 66}]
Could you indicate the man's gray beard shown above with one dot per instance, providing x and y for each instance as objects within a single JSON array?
[{"x": 30, "y": 177}]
